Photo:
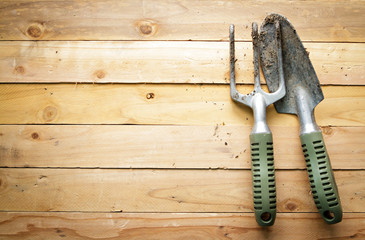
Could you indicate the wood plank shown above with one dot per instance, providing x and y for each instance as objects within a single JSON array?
[
  {"x": 159, "y": 104},
  {"x": 160, "y": 62},
  {"x": 162, "y": 190},
  {"x": 129, "y": 146},
  {"x": 175, "y": 20},
  {"x": 174, "y": 226}
]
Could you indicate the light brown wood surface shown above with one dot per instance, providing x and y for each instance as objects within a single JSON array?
[
  {"x": 338, "y": 21},
  {"x": 160, "y": 62},
  {"x": 146, "y": 190},
  {"x": 160, "y": 104},
  {"x": 127, "y": 146},
  {"x": 174, "y": 226},
  {"x": 116, "y": 120}
]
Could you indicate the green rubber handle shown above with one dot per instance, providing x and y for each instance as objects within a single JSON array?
[
  {"x": 263, "y": 178},
  {"x": 322, "y": 181}
]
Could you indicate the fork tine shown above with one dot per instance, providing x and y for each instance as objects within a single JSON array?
[
  {"x": 255, "y": 42},
  {"x": 232, "y": 57},
  {"x": 234, "y": 93}
]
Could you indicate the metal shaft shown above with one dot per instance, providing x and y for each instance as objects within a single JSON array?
[{"x": 305, "y": 113}]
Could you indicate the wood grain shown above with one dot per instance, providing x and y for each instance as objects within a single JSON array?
[
  {"x": 174, "y": 226},
  {"x": 159, "y": 104},
  {"x": 162, "y": 190},
  {"x": 128, "y": 146},
  {"x": 175, "y": 20},
  {"x": 160, "y": 62}
]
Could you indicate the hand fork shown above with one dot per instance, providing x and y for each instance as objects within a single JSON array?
[{"x": 262, "y": 158}]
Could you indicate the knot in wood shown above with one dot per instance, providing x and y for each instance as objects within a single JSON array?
[
  {"x": 147, "y": 28},
  {"x": 35, "y": 31}
]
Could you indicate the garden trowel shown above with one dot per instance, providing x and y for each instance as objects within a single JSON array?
[{"x": 303, "y": 93}]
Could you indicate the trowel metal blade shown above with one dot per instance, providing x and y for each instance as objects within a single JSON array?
[{"x": 299, "y": 73}]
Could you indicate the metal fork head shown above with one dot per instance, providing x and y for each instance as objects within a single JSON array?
[{"x": 247, "y": 99}]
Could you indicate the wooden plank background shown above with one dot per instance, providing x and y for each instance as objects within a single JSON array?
[
  {"x": 116, "y": 120},
  {"x": 160, "y": 62}
]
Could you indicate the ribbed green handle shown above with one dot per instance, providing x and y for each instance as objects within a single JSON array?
[
  {"x": 263, "y": 178},
  {"x": 322, "y": 181}
]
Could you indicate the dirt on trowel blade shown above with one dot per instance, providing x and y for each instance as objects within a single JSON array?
[{"x": 299, "y": 73}]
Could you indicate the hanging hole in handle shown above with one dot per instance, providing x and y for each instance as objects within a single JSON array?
[
  {"x": 266, "y": 216},
  {"x": 329, "y": 215}
]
